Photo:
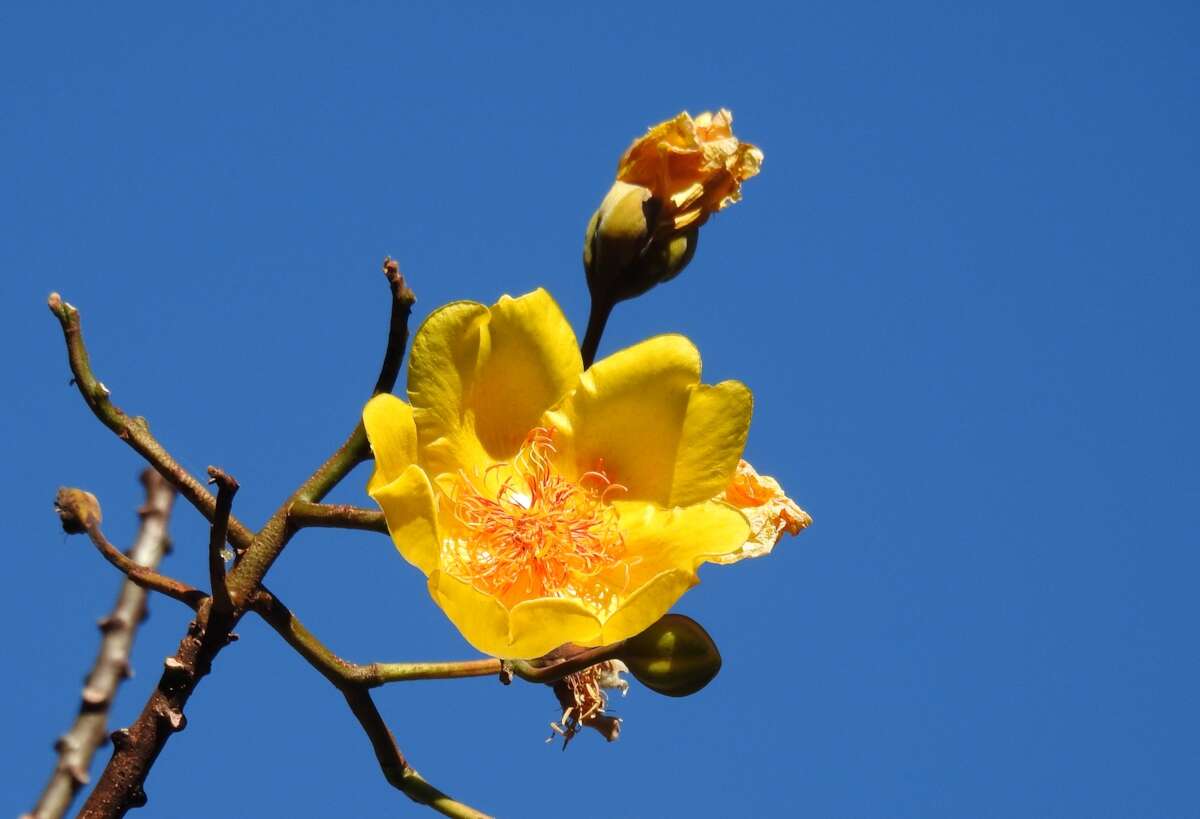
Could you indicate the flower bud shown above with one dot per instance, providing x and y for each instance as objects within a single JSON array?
[
  {"x": 675, "y": 656},
  {"x": 668, "y": 183},
  {"x": 78, "y": 510}
]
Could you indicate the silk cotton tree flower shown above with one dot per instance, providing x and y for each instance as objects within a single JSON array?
[{"x": 549, "y": 504}]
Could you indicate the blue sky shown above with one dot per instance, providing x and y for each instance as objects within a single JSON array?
[{"x": 964, "y": 291}]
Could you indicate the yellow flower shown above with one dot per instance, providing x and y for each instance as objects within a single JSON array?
[
  {"x": 695, "y": 167},
  {"x": 547, "y": 504}
]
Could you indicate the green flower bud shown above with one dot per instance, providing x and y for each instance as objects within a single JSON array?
[
  {"x": 675, "y": 656},
  {"x": 625, "y": 250}
]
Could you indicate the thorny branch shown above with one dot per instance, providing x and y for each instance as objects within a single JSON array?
[
  {"x": 137, "y": 747},
  {"x": 78, "y": 745}
]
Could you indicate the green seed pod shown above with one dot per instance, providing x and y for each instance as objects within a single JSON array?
[{"x": 675, "y": 656}]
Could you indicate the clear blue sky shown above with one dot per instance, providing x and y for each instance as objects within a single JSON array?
[{"x": 964, "y": 291}]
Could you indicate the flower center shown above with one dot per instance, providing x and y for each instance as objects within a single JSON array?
[{"x": 535, "y": 532}]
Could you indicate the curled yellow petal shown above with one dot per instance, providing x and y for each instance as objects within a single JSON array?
[
  {"x": 410, "y": 511},
  {"x": 393, "y": 437}
]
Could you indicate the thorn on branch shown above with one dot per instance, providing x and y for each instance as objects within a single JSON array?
[{"x": 121, "y": 739}]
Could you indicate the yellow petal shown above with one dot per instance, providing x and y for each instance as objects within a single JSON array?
[
  {"x": 480, "y": 379},
  {"x": 627, "y": 414},
  {"x": 545, "y": 623},
  {"x": 533, "y": 360},
  {"x": 442, "y": 364},
  {"x": 393, "y": 436},
  {"x": 480, "y": 618},
  {"x": 530, "y": 630},
  {"x": 650, "y": 602},
  {"x": 681, "y": 538},
  {"x": 664, "y": 547},
  {"x": 714, "y": 435},
  {"x": 408, "y": 505}
]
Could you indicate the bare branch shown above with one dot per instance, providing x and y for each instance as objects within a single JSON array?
[
  {"x": 135, "y": 749},
  {"x": 77, "y": 746},
  {"x": 133, "y": 431},
  {"x": 402, "y": 303},
  {"x": 67, "y": 503},
  {"x": 227, "y": 487},
  {"x": 335, "y": 516},
  {"x": 393, "y": 764}
]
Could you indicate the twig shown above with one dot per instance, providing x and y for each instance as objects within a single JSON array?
[
  {"x": 227, "y": 487},
  {"x": 78, "y": 745},
  {"x": 144, "y": 576},
  {"x": 133, "y": 431},
  {"x": 135, "y": 749},
  {"x": 335, "y": 516},
  {"x": 345, "y": 675},
  {"x": 403, "y": 300},
  {"x": 274, "y": 536},
  {"x": 395, "y": 768}
]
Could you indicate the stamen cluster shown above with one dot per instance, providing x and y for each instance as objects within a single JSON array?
[{"x": 536, "y": 532}]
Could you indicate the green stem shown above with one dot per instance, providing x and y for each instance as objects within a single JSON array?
[
  {"x": 395, "y": 767},
  {"x": 597, "y": 319},
  {"x": 144, "y": 576},
  {"x": 335, "y": 516}
]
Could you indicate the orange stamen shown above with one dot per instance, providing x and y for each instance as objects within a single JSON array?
[{"x": 536, "y": 532}]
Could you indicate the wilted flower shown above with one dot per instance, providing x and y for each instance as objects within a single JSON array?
[
  {"x": 694, "y": 167},
  {"x": 547, "y": 504},
  {"x": 583, "y": 700},
  {"x": 770, "y": 512},
  {"x": 668, "y": 183}
]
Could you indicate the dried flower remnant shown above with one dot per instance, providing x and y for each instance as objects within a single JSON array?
[
  {"x": 583, "y": 701},
  {"x": 771, "y": 513}
]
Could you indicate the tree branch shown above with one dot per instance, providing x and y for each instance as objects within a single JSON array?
[
  {"x": 403, "y": 300},
  {"x": 135, "y": 749},
  {"x": 393, "y": 764},
  {"x": 133, "y": 431},
  {"x": 335, "y": 516},
  {"x": 143, "y": 576},
  {"x": 227, "y": 487},
  {"x": 345, "y": 674},
  {"x": 77, "y": 746},
  {"x": 275, "y": 534}
]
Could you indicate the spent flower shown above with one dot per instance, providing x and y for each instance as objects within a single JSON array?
[{"x": 668, "y": 183}]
